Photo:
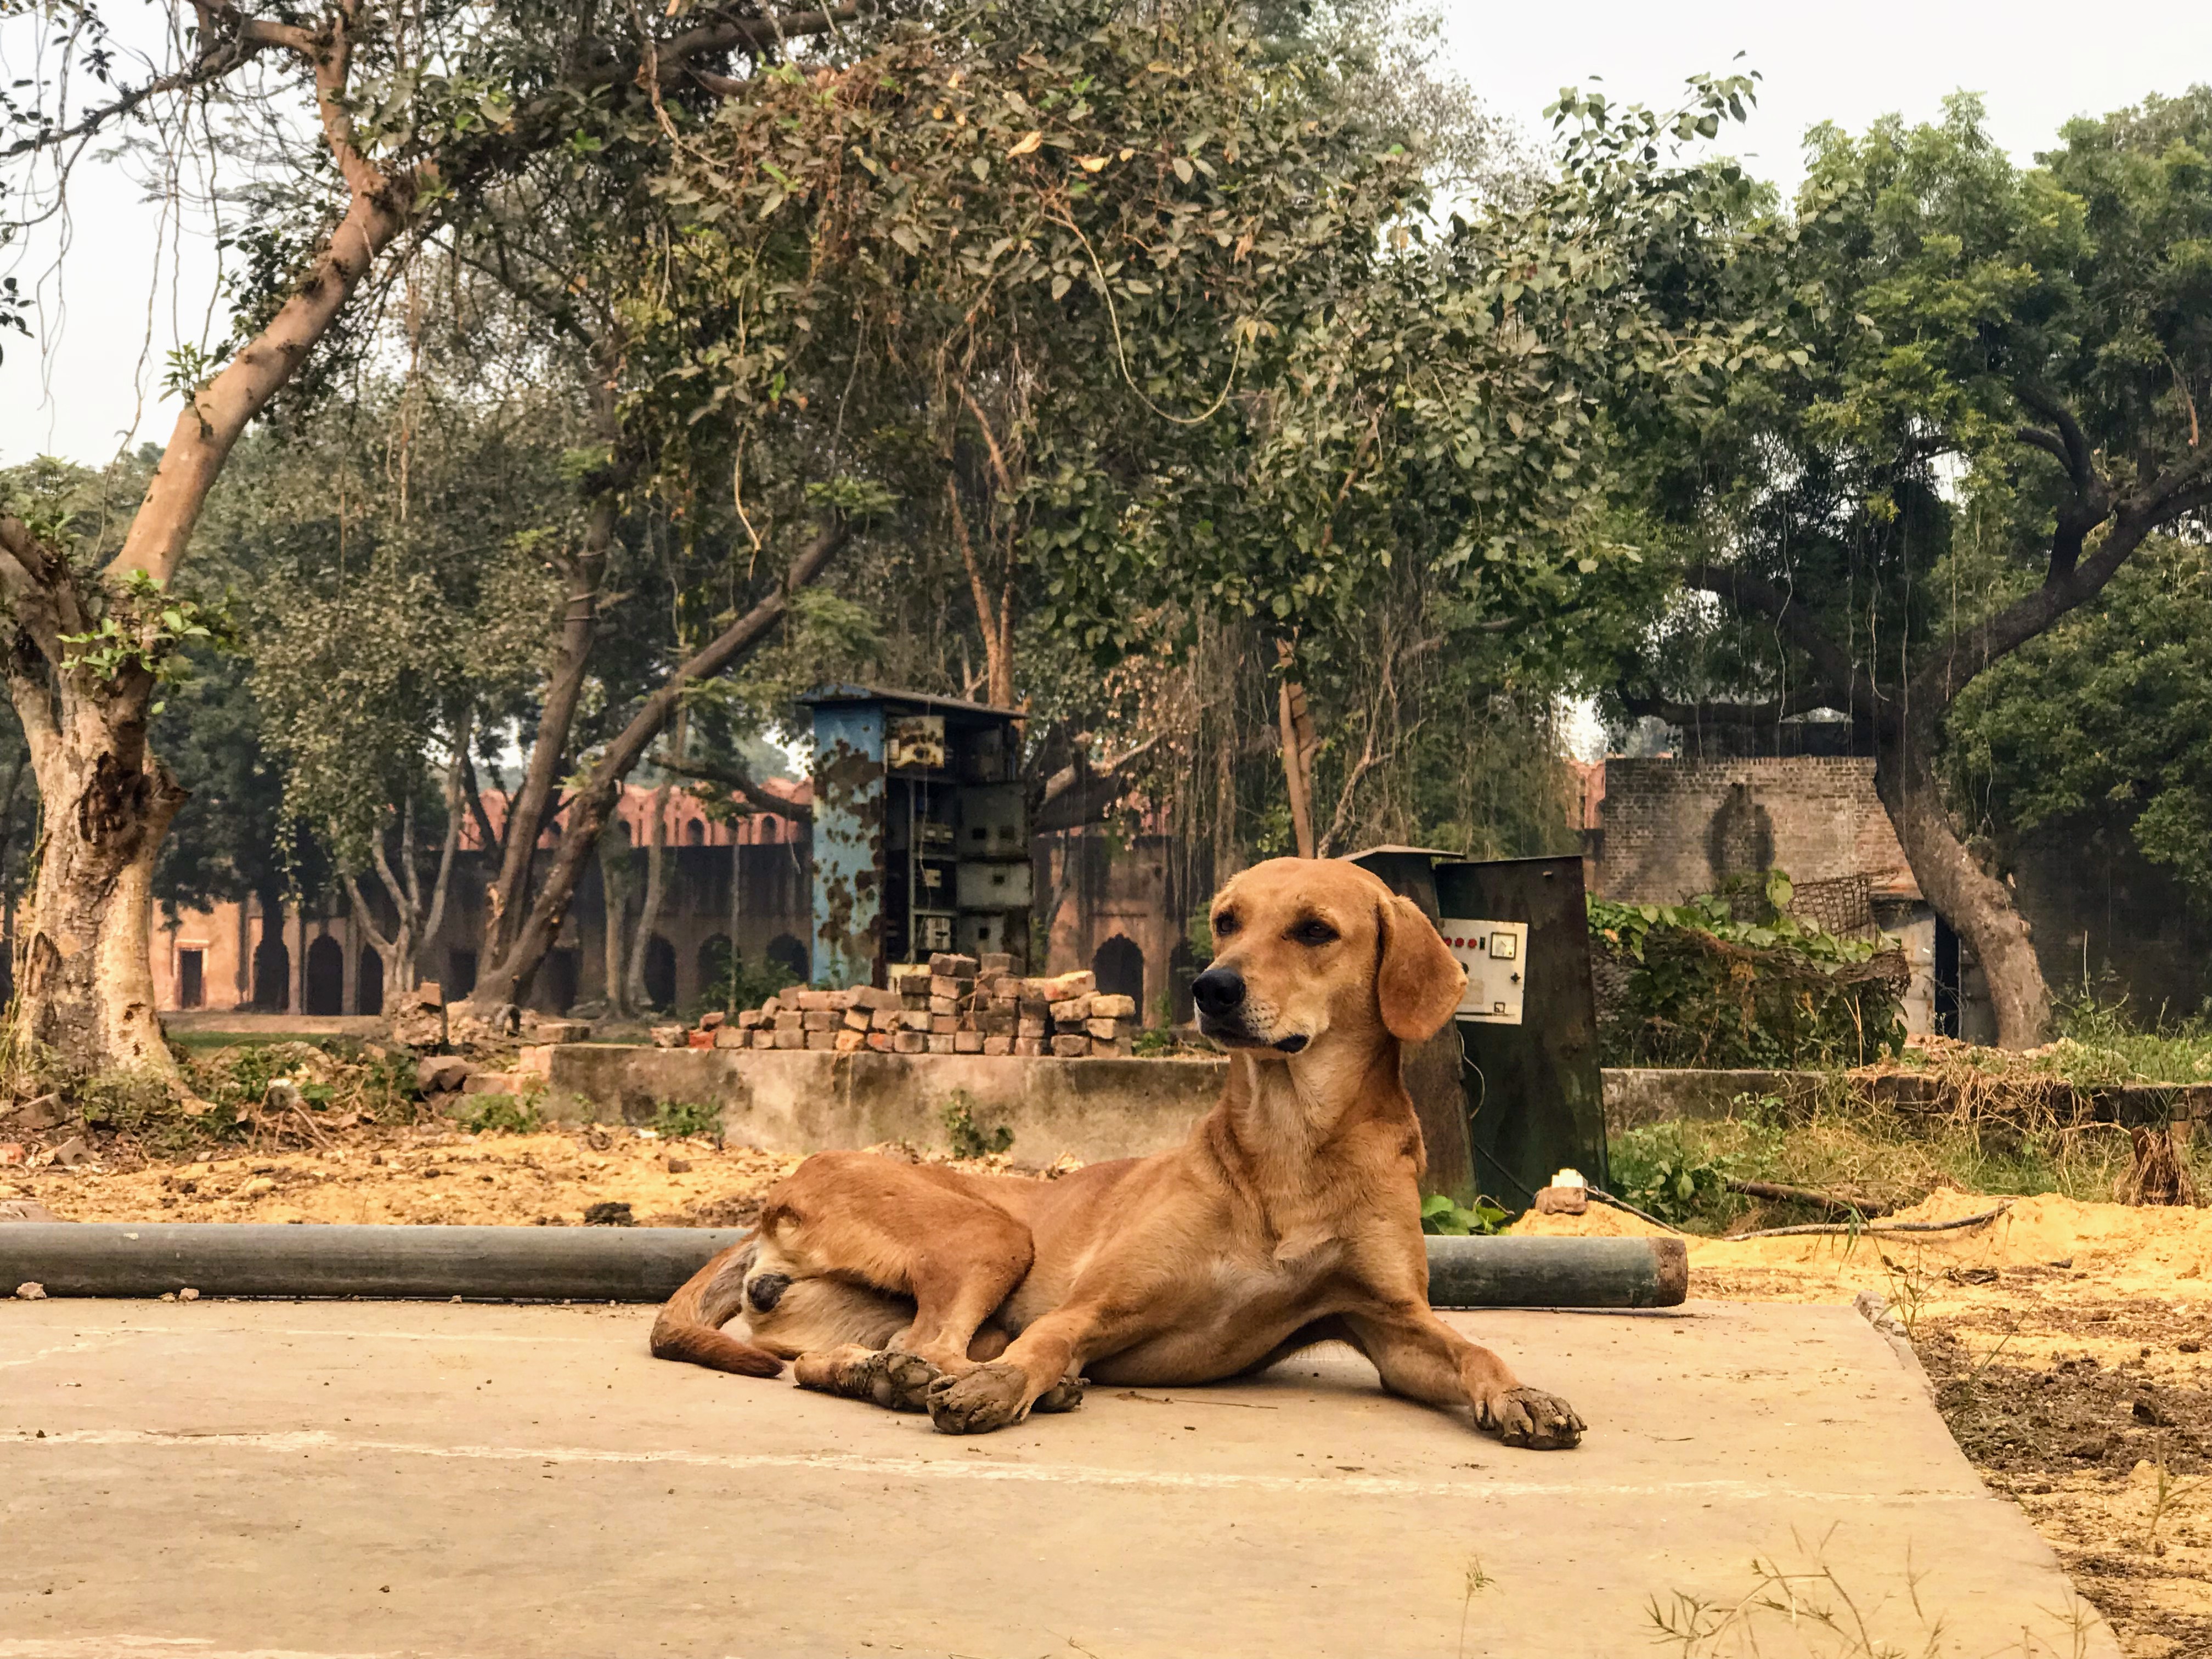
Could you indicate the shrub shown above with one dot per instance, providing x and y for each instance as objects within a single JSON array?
[
  {"x": 1693, "y": 985},
  {"x": 678, "y": 1120},
  {"x": 1658, "y": 1171},
  {"x": 967, "y": 1140},
  {"x": 1440, "y": 1214},
  {"x": 506, "y": 1115}
]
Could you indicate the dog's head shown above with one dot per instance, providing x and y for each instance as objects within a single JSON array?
[{"x": 1307, "y": 950}]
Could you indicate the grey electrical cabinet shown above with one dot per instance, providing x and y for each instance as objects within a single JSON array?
[{"x": 1528, "y": 1025}]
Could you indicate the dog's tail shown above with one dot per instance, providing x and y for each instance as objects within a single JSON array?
[{"x": 689, "y": 1327}]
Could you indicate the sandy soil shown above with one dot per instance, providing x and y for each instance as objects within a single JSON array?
[
  {"x": 2068, "y": 1344},
  {"x": 433, "y": 1176}
]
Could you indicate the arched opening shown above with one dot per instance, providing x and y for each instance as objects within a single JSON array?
[
  {"x": 272, "y": 974},
  {"x": 325, "y": 991},
  {"x": 1182, "y": 968},
  {"x": 694, "y": 833},
  {"x": 660, "y": 972},
  {"x": 716, "y": 975},
  {"x": 370, "y": 982},
  {"x": 557, "y": 980},
  {"x": 788, "y": 954},
  {"x": 1119, "y": 966}
]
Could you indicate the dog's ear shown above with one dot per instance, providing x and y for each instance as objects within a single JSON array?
[{"x": 1419, "y": 982}]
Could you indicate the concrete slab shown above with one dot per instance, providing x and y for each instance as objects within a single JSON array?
[{"x": 217, "y": 1479}]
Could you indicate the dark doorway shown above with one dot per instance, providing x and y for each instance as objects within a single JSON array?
[
  {"x": 660, "y": 972},
  {"x": 788, "y": 954},
  {"x": 192, "y": 979},
  {"x": 1947, "y": 979},
  {"x": 370, "y": 987},
  {"x": 324, "y": 992},
  {"x": 461, "y": 974},
  {"x": 1119, "y": 967},
  {"x": 272, "y": 974}
]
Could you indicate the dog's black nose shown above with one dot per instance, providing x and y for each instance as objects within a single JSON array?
[{"x": 1218, "y": 991}]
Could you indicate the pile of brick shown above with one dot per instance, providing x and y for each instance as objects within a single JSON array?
[{"x": 953, "y": 1005}]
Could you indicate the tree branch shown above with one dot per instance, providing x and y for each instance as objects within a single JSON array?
[
  {"x": 443, "y": 884},
  {"x": 492, "y": 843},
  {"x": 367, "y": 917},
  {"x": 726, "y": 34},
  {"x": 1079, "y": 793},
  {"x": 2172, "y": 496},
  {"x": 734, "y": 777}
]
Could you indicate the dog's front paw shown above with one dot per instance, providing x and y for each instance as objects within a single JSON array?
[
  {"x": 1531, "y": 1418},
  {"x": 989, "y": 1397}
]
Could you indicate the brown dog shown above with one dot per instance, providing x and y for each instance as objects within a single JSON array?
[{"x": 1290, "y": 1216}]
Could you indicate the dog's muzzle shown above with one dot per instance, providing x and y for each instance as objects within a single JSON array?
[{"x": 1224, "y": 1016}]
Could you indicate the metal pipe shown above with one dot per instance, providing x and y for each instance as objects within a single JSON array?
[
  {"x": 1558, "y": 1273},
  {"x": 598, "y": 1264},
  {"x": 647, "y": 1264}
]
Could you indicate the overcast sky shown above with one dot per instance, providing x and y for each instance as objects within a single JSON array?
[{"x": 132, "y": 287}]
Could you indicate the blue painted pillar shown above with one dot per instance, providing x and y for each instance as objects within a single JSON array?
[{"x": 848, "y": 842}]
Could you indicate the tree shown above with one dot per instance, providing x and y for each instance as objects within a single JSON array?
[
  {"x": 1183, "y": 364},
  {"x": 391, "y": 556},
  {"x": 1991, "y": 405},
  {"x": 381, "y": 119},
  {"x": 2108, "y": 712}
]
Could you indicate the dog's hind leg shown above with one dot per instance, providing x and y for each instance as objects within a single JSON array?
[{"x": 907, "y": 1233}]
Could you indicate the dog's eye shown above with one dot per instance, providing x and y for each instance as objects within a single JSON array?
[
  {"x": 1224, "y": 924},
  {"x": 1314, "y": 931}
]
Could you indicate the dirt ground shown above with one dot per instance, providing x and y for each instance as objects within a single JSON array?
[
  {"x": 438, "y": 1176},
  {"x": 2067, "y": 1342}
]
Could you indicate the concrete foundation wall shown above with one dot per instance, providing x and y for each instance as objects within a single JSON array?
[{"x": 805, "y": 1101}]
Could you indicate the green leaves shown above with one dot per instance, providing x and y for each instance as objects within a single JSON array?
[
  {"x": 145, "y": 631},
  {"x": 1440, "y": 1215},
  {"x": 1704, "y": 988}
]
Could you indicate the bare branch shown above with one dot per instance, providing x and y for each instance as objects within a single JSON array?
[
  {"x": 367, "y": 917},
  {"x": 1081, "y": 794},
  {"x": 735, "y": 777},
  {"x": 443, "y": 884}
]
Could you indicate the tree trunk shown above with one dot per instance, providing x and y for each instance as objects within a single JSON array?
[
  {"x": 1299, "y": 743},
  {"x": 84, "y": 977},
  {"x": 507, "y": 897},
  {"x": 614, "y": 861},
  {"x": 85, "y": 986},
  {"x": 1977, "y": 905},
  {"x": 656, "y": 877},
  {"x": 656, "y": 894},
  {"x": 588, "y": 811}
]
